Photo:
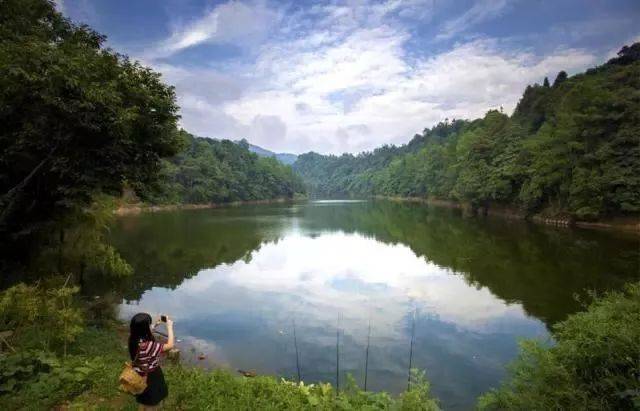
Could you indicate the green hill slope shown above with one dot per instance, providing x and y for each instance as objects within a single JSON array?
[
  {"x": 219, "y": 171},
  {"x": 570, "y": 148}
]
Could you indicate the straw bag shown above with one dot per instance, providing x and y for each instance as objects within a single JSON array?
[{"x": 130, "y": 381}]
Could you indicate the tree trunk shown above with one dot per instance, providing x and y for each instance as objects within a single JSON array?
[{"x": 8, "y": 199}]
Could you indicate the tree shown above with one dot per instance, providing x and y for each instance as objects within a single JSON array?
[
  {"x": 627, "y": 55},
  {"x": 214, "y": 171},
  {"x": 545, "y": 83},
  {"x": 77, "y": 120},
  {"x": 560, "y": 78}
]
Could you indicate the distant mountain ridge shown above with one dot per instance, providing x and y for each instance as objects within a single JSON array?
[{"x": 284, "y": 158}]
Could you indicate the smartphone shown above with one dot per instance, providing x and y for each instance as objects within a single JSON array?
[{"x": 163, "y": 318}]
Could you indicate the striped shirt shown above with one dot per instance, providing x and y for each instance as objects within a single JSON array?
[{"x": 148, "y": 357}]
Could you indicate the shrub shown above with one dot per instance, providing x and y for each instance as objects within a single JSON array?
[
  {"x": 39, "y": 379},
  {"x": 595, "y": 364},
  {"x": 48, "y": 318}
]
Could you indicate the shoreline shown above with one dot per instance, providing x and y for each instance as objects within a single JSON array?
[
  {"x": 625, "y": 224},
  {"x": 133, "y": 209}
]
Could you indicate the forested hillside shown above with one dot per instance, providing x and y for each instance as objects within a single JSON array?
[
  {"x": 218, "y": 171},
  {"x": 81, "y": 124},
  {"x": 571, "y": 147}
]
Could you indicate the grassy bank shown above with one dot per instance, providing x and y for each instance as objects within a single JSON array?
[
  {"x": 96, "y": 360},
  {"x": 595, "y": 365},
  {"x": 67, "y": 351}
]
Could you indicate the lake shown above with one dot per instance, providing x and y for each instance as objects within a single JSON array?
[{"x": 237, "y": 279}]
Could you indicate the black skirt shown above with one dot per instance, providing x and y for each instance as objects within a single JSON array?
[{"x": 156, "y": 389}]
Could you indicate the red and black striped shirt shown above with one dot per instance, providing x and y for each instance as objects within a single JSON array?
[{"x": 148, "y": 358}]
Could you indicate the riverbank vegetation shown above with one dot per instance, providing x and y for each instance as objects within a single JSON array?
[
  {"x": 78, "y": 121},
  {"x": 68, "y": 351},
  {"x": 570, "y": 148},
  {"x": 594, "y": 365}
]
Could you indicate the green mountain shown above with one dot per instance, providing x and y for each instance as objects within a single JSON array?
[
  {"x": 219, "y": 171},
  {"x": 571, "y": 148}
]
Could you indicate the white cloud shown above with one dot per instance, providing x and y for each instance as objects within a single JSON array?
[
  {"x": 60, "y": 6},
  {"x": 336, "y": 78},
  {"x": 393, "y": 98},
  {"x": 614, "y": 51},
  {"x": 230, "y": 22},
  {"x": 294, "y": 275},
  {"x": 481, "y": 11},
  {"x": 264, "y": 128},
  {"x": 597, "y": 27}
]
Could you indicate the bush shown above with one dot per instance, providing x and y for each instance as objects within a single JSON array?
[
  {"x": 595, "y": 364},
  {"x": 38, "y": 379},
  {"x": 48, "y": 317}
]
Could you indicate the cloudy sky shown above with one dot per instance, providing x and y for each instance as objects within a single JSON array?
[{"x": 348, "y": 76}]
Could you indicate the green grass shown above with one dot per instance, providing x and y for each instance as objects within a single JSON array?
[{"x": 101, "y": 352}]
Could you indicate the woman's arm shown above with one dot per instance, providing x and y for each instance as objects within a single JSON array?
[{"x": 170, "y": 339}]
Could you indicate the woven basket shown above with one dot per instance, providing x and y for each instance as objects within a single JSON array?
[{"x": 132, "y": 382}]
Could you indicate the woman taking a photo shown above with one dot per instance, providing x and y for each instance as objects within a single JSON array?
[{"x": 145, "y": 356}]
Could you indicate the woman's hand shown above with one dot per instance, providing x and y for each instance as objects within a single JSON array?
[{"x": 170, "y": 338}]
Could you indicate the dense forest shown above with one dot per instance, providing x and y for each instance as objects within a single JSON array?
[
  {"x": 571, "y": 147},
  {"x": 219, "y": 171},
  {"x": 80, "y": 122},
  {"x": 83, "y": 124}
]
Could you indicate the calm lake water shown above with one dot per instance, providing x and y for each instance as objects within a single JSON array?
[{"x": 235, "y": 280}]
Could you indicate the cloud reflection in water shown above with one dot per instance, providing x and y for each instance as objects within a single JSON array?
[{"x": 245, "y": 310}]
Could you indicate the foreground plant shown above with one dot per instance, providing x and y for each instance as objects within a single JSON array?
[
  {"x": 42, "y": 317},
  {"x": 595, "y": 364}
]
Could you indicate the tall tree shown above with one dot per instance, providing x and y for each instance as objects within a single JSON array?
[
  {"x": 77, "y": 119},
  {"x": 560, "y": 78}
]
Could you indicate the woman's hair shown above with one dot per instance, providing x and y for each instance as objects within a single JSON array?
[{"x": 140, "y": 330}]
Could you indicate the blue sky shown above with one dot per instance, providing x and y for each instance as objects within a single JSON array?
[{"x": 348, "y": 76}]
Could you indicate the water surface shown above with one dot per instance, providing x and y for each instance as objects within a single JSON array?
[{"x": 236, "y": 279}]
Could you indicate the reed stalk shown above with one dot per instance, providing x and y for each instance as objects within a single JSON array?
[
  {"x": 295, "y": 344},
  {"x": 413, "y": 333},
  {"x": 366, "y": 357}
]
